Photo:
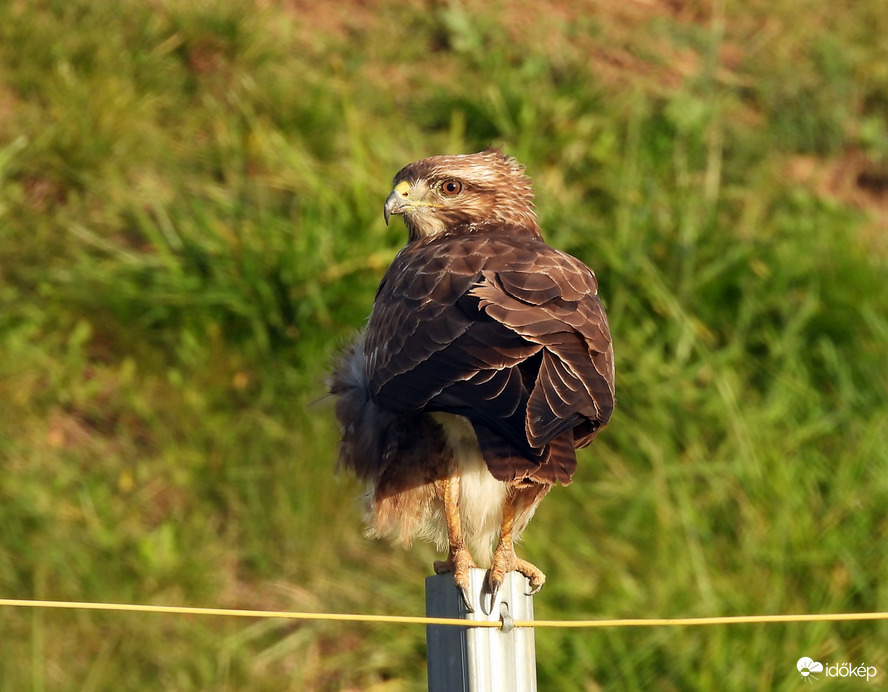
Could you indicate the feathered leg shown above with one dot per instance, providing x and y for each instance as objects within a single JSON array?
[
  {"x": 504, "y": 558},
  {"x": 459, "y": 560}
]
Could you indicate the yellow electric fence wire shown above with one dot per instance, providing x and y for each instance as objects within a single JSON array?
[
  {"x": 233, "y": 612},
  {"x": 405, "y": 619},
  {"x": 722, "y": 620}
]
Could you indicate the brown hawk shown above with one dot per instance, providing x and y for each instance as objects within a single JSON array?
[{"x": 485, "y": 363}]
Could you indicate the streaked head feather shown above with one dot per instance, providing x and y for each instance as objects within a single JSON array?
[{"x": 493, "y": 189}]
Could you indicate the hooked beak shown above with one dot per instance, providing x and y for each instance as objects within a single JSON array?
[{"x": 397, "y": 201}]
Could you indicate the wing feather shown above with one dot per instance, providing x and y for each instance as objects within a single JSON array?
[{"x": 503, "y": 329}]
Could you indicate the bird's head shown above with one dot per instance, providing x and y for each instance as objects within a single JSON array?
[{"x": 441, "y": 193}]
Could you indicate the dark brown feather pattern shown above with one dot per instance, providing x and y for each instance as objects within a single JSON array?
[{"x": 455, "y": 322}]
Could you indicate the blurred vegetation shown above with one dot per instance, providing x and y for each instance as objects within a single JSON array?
[{"x": 190, "y": 227}]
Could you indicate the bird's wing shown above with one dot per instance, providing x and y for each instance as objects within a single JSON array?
[
  {"x": 500, "y": 328},
  {"x": 554, "y": 303}
]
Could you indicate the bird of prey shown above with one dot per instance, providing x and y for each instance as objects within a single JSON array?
[{"x": 486, "y": 362}]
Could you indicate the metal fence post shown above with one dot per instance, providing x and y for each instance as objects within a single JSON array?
[{"x": 480, "y": 659}]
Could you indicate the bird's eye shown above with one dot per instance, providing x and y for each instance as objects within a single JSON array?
[{"x": 451, "y": 188}]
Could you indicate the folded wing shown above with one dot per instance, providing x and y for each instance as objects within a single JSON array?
[{"x": 504, "y": 330}]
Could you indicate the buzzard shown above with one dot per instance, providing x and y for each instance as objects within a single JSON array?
[{"x": 486, "y": 362}]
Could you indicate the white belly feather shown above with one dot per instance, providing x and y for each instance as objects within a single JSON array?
[{"x": 481, "y": 495}]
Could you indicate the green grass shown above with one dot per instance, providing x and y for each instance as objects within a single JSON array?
[{"x": 190, "y": 227}]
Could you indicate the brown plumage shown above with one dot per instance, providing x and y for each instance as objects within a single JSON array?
[{"x": 485, "y": 363}]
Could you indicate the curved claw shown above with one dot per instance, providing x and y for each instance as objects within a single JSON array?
[
  {"x": 534, "y": 589},
  {"x": 492, "y": 586},
  {"x": 490, "y": 590},
  {"x": 459, "y": 562},
  {"x": 467, "y": 599}
]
